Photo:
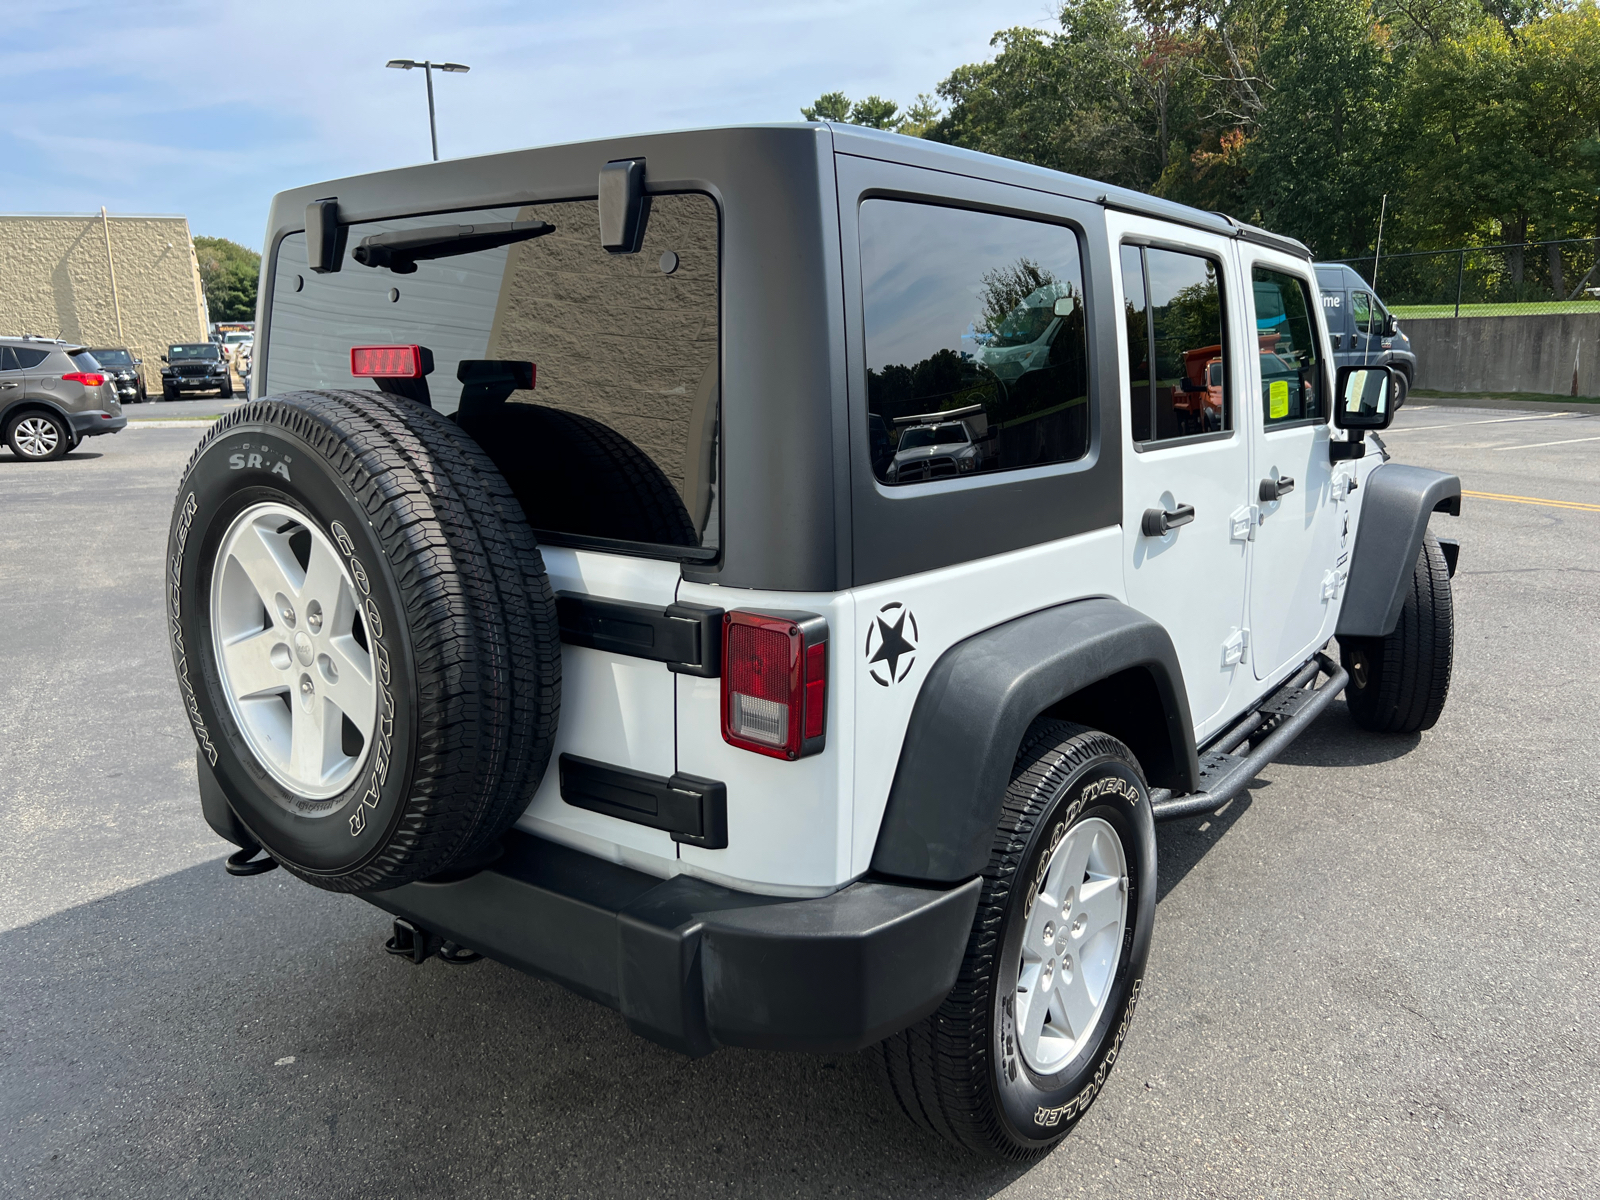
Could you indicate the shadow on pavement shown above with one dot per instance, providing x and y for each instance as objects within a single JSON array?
[
  {"x": 1334, "y": 740},
  {"x": 147, "y": 1038},
  {"x": 11, "y": 460}
]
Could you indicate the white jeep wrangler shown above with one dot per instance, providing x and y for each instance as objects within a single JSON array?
[{"x": 563, "y": 597}]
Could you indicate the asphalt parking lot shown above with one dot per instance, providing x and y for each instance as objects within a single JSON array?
[{"x": 1372, "y": 976}]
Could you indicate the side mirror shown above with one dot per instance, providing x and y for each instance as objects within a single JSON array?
[
  {"x": 1064, "y": 306},
  {"x": 138, "y": 362},
  {"x": 164, "y": 358},
  {"x": 1390, "y": 325},
  {"x": 1363, "y": 394}
]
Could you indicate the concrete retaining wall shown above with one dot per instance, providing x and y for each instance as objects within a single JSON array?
[
  {"x": 1508, "y": 354},
  {"x": 55, "y": 281}
]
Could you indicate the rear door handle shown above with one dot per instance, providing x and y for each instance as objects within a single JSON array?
[
  {"x": 1276, "y": 489},
  {"x": 1158, "y": 521},
  {"x": 9, "y": 385}
]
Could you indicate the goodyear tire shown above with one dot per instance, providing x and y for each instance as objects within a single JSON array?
[
  {"x": 364, "y": 636},
  {"x": 1399, "y": 683},
  {"x": 1023, "y": 1044}
]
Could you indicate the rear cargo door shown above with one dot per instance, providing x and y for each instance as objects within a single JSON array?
[{"x": 592, "y": 381}]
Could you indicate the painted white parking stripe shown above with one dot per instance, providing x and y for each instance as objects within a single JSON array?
[{"x": 1536, "y": 445}]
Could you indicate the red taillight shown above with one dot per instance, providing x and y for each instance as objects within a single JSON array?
[
  {"x": 386, "y": 362},
  {"x": 775, "y": 682},
  {"x": 87, "y": 378}
]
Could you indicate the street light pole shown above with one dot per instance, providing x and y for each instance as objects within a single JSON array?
[{"x": 428, "y": 68}]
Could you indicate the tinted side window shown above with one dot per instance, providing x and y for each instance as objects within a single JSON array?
[
  {"x": 1361, "y": 311},
  {"x": 1181, "y": 386},
  {"x": 28, "y": 358},
  {"x": 8, "y": 359},
  {"x": 976, "y": 344},
  {"x": 617, "y": 440},
  {"x": 1291, "y": 372}
]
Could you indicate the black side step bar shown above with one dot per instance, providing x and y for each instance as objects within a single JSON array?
[{"x": 1271, "y": 726}]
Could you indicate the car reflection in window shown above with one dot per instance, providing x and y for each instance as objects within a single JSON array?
[{"x": 977, "y": 356}]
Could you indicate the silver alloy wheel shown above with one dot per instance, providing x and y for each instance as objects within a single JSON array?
[
  {"x": 1071, "y": 944},
  {"x": 37, "y": 436},
  {"x": 292, "y": 651}
]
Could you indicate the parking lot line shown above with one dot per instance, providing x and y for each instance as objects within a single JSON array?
[
  {"x": 1537, "y": 445},
  {"x": 1487, "y": 421},
  {"x": 1532, "y": 500}
]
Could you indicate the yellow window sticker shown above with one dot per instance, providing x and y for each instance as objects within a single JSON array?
[{"x": 1278, "y": 399}]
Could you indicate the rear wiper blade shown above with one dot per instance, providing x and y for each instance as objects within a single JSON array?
[{"x": 400, "y": 251}]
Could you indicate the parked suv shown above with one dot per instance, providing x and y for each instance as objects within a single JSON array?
[
  {"x": 1363, "y": 331},
  {"x": 53, "y": 394},
  {"x": 562, "y": 597},
  {"x": 195, "y": 367},
  {"x": 123, "y": 370}
]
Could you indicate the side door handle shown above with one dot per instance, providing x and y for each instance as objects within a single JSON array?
[
  {"x": 1158, "y": 521},
  {"x": 1276, "y": 489},
  {"x": 9, "y": 385}
]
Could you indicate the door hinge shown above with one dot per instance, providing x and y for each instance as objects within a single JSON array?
[
  {"x": 1233, "y": 650},
  {"x": 1242, "y": 523},
  {"x": 1343, "y": 485},
  {"x": 1332, "y": 582}
]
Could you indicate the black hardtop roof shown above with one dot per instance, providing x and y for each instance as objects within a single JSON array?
[{"x": 430, "y": 184}]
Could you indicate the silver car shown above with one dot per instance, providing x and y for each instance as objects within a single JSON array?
[{"x": 53, "y": 394}]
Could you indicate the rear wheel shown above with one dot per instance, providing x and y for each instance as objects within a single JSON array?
[
  {"x": 1026, "y": 1038},
  {"x": 38, "y": 436},
  {"x": 364, "y": 636},
  {"x": 167, "y": 393},
  {"x": 1399, "y": 387},
  {"x": 227, "y": 389},
  {"x": 1399, "y": 683}
]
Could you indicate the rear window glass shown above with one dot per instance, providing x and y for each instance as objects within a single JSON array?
[
  {"x": 977, "y": 355},
  {"x": 617, "y": 439}
]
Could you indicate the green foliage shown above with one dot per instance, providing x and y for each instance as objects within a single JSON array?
[
  {"x": 1003, "y": 288},
  {"x": 875, "y": 113},
  {"x": 1479, "y": 119},
  {"x": 229, "y": 273}
]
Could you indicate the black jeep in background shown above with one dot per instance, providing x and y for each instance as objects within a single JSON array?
[{"x": 195, "y": 367}]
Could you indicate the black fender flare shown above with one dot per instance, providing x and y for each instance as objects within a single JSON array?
[
  {"x": 1394, "y": 518},
  {"x": 974, "y": 708}
]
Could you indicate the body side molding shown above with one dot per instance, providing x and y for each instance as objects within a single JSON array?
[
  {"x": 972, "y": 712},
  {"x": 1394, "y": 518}
]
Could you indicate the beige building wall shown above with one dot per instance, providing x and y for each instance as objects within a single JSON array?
[{"x": 55, "y": 281}]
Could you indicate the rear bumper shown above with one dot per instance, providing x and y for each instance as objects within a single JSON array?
[
  {"x": 694, "y": 966},
  {"x": 95, "y": 421}
]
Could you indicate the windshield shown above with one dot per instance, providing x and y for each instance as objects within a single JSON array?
[
  {"x": 113, "y": 358},
  {"x": 934, "y": 435},
  {"x": 1030, "y": 320},
  {"x": 193, "y": 352}
]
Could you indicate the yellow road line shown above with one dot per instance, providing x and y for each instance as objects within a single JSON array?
[{"x": 1533, "y": 500}]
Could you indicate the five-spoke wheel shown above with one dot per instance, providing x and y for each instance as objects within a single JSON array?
[{"x": 292, "y": 650}]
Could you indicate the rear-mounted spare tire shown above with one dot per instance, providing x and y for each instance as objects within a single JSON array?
[{"x": 364, "y": 635}]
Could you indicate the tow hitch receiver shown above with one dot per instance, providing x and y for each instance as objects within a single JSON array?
[{"x": 418, "y": 944}]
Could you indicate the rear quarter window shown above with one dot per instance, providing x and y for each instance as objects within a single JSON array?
[
  {"x": 976, "y": 345},
  {"x": 617, "y": 439},
  {"x": 28, "y": 357}
]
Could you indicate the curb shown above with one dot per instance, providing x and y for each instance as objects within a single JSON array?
[{"x": 1577, "y": 406}]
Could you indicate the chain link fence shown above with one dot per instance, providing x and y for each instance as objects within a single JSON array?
[{"x": 1488, "y": 281}]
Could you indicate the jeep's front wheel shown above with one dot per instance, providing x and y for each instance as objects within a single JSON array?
[
  {"x": 1023, "y": 1044},
  {"x": 1399, "y": 683},
  {"x": 364, "y": 635}
]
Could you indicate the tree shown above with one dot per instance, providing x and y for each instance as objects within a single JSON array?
[
  {"x": 229, "y": 273},
  {"x": 875, "y": 113}
]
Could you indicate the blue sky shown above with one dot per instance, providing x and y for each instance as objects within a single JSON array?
[{"x": 207, "y": 109}]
